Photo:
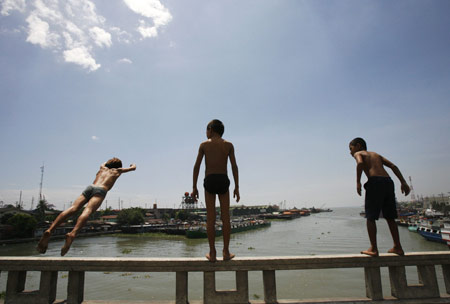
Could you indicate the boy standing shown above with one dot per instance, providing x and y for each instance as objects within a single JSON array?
[
  {"x": 93, "y": 195},
  {"x": 217, "y": 151},
  {"x": 380, "y": 194}
]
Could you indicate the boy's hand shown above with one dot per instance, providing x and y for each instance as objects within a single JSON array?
[
  {"x": 405, "y": 189},
  {"x": 358, "y": 188},
  {"x": 133, "y": 167},
  {"x": 236, "y": 195},
  {"x": 194, "y": 194}
]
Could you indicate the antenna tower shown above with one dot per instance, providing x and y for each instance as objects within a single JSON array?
[
  {"x": 413, "y": 196},
  {"x": 40, "y": 185}
]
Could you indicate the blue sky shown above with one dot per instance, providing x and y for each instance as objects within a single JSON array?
[{"x": 82, "y": 81}]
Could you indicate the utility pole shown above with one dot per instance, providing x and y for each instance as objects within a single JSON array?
[{"x": 42, "y": 179}]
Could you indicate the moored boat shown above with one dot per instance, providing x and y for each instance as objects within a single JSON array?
[
  {"x": 236, "y": 226},
  {"x": 431, "y": 231}
]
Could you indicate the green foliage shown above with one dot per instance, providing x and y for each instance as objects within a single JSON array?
[
  {"x": 23, "y": 224},
  {"x": 131, "y": 216},
  {"x": 182, "y": 215},
  {"x": 6, "y": 217}
]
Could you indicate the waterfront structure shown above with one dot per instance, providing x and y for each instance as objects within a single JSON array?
[{"x": 427, "y": 291}]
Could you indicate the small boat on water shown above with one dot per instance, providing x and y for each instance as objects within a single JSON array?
[
  {"x": 412, "y": 226},
  {"x": 236, "y": 226},
  {"x": 431, "y": 231}
]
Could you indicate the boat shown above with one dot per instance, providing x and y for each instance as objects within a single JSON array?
[
  {"x": 412, "y": 226},
  {"x": 445, "y": 232},
  {"x": 431, "y": 231},
  {"x": 236, "y": 226}
]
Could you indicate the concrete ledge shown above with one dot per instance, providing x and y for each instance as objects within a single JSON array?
[
  {"x": 388, "y": 300},
  {"x": 237, "y": 264}
]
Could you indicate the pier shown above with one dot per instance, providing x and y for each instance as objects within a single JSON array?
[{"x": 427, "y": 263}]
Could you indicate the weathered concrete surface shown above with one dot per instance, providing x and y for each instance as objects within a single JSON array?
[
  {"x": 237, "y": 264},
  {"x": 443, "y": 299},
  {"x": 427, "y": 289}
]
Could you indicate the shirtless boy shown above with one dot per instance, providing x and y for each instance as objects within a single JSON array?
[
  {"x": 217, "y": 151},
  {"x": 93, "y": 195},
  {"x": 380, "y": 194}
]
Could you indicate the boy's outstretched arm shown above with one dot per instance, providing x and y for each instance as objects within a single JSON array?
[
  {"x": 234, "y": 169},
  {"x": 404, "y": 185},
  {"x": 131, "y": 168},
  {"x": 197, "y": 164},
  {"x": 359, "y": 170}
]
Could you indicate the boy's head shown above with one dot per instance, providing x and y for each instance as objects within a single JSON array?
[
  {"x": 114, "y": 163},
  {"x": 216, "y": 126},
  {"x": 357, "y": 144}
]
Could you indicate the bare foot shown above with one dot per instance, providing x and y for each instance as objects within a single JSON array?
[
  {"x": 396, "y": 250},
  {"x": 211, "y": 256},
  {"x": 227, "y": 255},
  {"x": 66, "y": 247},
  {"x": 371, "y": 252},
  {"x": 43, "y": 242}
]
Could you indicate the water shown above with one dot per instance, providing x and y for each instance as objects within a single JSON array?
[{"x": 340, "y": 232}]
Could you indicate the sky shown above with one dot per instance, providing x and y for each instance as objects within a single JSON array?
[{"x": 294, "y": 82}]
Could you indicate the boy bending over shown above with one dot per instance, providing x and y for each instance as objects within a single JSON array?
[
  {"x": 217, "y": 151},
  {"x": 380, "y": 194},
  {"x": 93, "y": 196}
]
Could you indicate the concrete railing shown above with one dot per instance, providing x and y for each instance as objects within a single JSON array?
[{"x": 427, "y": 291}]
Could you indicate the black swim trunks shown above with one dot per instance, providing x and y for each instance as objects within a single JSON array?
[
  {"x": 216, "y": 183},
  {"x": 380, "y": 196},
  {"x": 91, "y": 190}
]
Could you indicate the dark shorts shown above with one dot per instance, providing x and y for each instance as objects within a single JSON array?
[
  {"x": 216, "y": 183},
  {"x": 90, "y": 191},
  {"x": 380, "y": 197}
]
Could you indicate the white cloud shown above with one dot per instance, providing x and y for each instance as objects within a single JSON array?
[
  {"x": 100, "y": 36},
  {"x": 39, "y": 33},
  {"x": 147, "y": 31},
  {"x": 11, "y": 5},
  {"x": 152, "y": 9},
  {"x": 81, "y": 56},
  {"x": 125, "y": 60},
  {"x": 94, "y": 138},
  {"x": 74, "y": 30}
]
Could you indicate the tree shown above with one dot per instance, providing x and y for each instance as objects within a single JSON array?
[
  {"x": 43, "y": 206},
  {"x": 131, "y": 216},
  {"x": 23, "y": 224}
]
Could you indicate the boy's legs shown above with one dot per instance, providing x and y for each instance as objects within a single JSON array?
[
  {"x": 372, "y": 231},
  {"x": 397, "y": 249},
  {"x": 226, "y": 225},
  {"x": 210, "y": 200},
  {"x": 43, "y": 243},
  {"x": 91, "y": 207}
]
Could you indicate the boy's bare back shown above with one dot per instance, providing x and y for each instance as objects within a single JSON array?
[
  {"x": 217, "y": 151},
  {"x": 106, "y": 177},
  {"x": 373, "y": 163}
]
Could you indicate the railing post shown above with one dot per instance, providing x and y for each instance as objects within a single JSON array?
[
  {"x": 374, "y": 288},
  {"x": 47, "y": 286},
  {"x": 15, "y": 284},
  {"x": 75, "y": 287},
  {"x": 236, "y": 296},
  {"x": 446, "y": 272},
  {"x": 270, "y": 287},
  {"x": 181, "y": 287},
  {"x": 427, "y": 288}
]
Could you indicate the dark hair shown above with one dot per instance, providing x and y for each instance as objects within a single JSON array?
[
  {"x": 114, "y": 163},
  {"x": 217, "y": 126},
  {"x": 360, "y": 141}
]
